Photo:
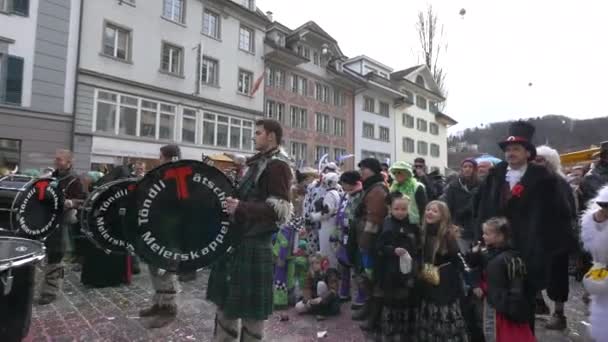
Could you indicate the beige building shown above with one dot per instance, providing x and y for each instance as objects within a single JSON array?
[{"x": 420, "y": 128}]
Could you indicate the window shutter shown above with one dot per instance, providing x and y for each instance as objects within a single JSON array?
[
  {"x": 14, "y": 80},
  {"x": 21, "y": 7}
]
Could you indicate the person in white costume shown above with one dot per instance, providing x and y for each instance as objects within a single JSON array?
[
  {"x": 327, "y": 216},
  {"x": 595, "y": 239}
]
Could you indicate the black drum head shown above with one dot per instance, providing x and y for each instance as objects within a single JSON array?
[
  {"x": 102, "y": 219},
  {"x": 178, "y": 221},
  {"x": 38, "y": 210}
]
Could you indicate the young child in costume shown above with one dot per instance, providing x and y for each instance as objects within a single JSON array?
[
  {"x": 399, "y": 249},
  {"x": 285, "y": 263},
  {"x": 594, "y": 224},
  {"x": 326, "y": 215},
  {"x": 506, "y": 308},
  {"x": 320, "y": 289}
]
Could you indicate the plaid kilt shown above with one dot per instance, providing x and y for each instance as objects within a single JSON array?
[{"x": 241, "y": 283}]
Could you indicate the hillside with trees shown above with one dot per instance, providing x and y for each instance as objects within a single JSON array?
[{"x": 560, "y": 132}]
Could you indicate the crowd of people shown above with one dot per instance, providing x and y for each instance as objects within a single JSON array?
[
  {"x": 418, "y": 258},
  {"x": 464, "y": 260}
]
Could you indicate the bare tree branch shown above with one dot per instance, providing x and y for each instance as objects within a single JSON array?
[{"x": 431, "y": 37}]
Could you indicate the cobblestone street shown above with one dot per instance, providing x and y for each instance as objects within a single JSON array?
[{"x": 110, "y": 314}]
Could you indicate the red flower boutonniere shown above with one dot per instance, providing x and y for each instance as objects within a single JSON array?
[{"x": 517, "y": 190}]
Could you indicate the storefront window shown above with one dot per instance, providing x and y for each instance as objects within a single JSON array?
[
  {"x": 147, "y": 126},
  {"x": 10, "y": 153},
  {"x": 189, "y": 126},
  {"x": 128, "y": 116}
]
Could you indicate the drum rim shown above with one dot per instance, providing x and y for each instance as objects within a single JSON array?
[{"x": 26, "y": 259}]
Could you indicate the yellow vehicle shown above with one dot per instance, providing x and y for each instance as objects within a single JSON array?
[{"x": 580, "y": 157}]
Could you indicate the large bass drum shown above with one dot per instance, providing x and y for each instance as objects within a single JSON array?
[
  {"x": 102, "y": 216},
  {"x": 38, "y": 209},
  {"x": 177, "y": 219}
]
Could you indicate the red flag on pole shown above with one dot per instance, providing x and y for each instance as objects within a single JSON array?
[{"x": 257, "y": 84}]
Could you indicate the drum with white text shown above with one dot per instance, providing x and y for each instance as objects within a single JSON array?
[
  {"x": 38, "y": 209},
  {"x": 177, "y": 218},
  {"x": 102, "y": 216}
]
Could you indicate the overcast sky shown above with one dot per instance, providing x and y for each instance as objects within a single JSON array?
[{"x": 494, "y": 51}]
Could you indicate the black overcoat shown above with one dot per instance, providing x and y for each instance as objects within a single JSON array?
[{"x": 539, "y": 216}]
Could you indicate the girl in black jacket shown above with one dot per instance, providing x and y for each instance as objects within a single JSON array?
[
  {"x": 506, "y": 305},
  {"x": 399, "y": 252}
]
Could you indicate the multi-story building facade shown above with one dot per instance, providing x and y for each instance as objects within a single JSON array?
[
  {"x": 38, "y": 52},
  {"x": 307, "y": 90},
  {"x": 376, "y": 105},
  {"x": 168, "y": 71},
  {"x": 421, "y": 129}
]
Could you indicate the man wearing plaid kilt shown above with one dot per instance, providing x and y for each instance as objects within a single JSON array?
[{"x": 241, "y": 282}]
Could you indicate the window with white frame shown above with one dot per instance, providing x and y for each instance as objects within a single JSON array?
[
  {"x": 299, "y": 85},
  {"x": 434, "y": 150},
  {"x": 245, "y": 81},
  {"x": 246, "y": 39},
  {"x": 408, "y": 145},
  {"x": 172, "y": 59},
  {"x": 117, "y": 42},
  {"x": 235, "y": 133},
  {"x": 298, "y": 117},
  {"x": 421, "y": 102},
  {"x": 385, "y": 134},
  {"x": 325, "y": 94},
  {"x": 275, "y": 110},
  {"x": 320, "y": 151},
  {"x": 127, "y": 115},
  {"x": 189, "y": 125},
  {"x": 174, "y": 10},
  {"x": 421, "y": 125},
  {"x": 368, "y": 130},
  {"x": 384, "y": 108},
  {"x": 147, "y": 120},
  {"x": 19, "y": 7},
  {"x": 247, "y": 136},
  {"x": 122, "y": 114},
  {"x": 106, "y": 109},
  {"x": 369, "y": 105},
  {"x": 318, "y": 91},
  {"x": 407, "y": 120},
  {"x": 166, "y": 126},
  {"x": 434, "y": 128},
  {"x": 338, "y": 97},
  {"x": 298, "y": 151},
  {"x": 322, "y": 123},
  {"x": 279, "y": 78},
  {"x": 211, "y": 24},
  {"x": 423, "y": 148},
  {"x": 269, "y": 77},
  {"x": 339, "y": 127},
  {"x": 302, "y": 86},
  {"x": 210, "y": 71}
]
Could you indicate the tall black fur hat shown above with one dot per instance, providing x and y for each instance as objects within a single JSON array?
[{"x": 520, "y": 132}]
